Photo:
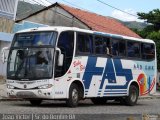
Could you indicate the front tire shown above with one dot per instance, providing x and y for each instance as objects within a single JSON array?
[
  {"x": 35, "y": 102},
  {"x": 73, "y": 96},
  {"x": 132, "y": 98}
]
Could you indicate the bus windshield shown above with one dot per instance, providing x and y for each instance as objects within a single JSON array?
[
  {"x": 31, "y": 56},
  {"x": 34, "y": 39},
  {"x": 30, "y": 63}
]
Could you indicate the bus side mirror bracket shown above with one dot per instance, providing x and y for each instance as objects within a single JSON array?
[
  {"x": 4, "y": 57},
  {"x": 60, "y": 57}
]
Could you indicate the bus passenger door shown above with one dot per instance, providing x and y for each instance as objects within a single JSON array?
[{"x": 66, "y": 46}]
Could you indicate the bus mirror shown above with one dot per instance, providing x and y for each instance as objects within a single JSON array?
[
  {"x": 60, "y": 57},
  {"x": 4, "y": 56},
  {"x": 60, "y": 60}
]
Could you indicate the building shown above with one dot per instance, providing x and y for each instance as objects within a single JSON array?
[
  {"x": 7, "y": 17},
  {"x": 62, "y": 15}
]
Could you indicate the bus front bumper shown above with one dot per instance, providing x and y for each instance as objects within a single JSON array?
[{"x": 31, "y": 94}]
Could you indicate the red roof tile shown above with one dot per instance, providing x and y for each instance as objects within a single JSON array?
[{"x": 100, "y": 23}]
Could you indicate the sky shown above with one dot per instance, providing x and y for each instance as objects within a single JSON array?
[{"x": 129, "y": 6}]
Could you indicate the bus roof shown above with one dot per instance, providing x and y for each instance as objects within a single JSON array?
[{"x": 62, "y": 28}]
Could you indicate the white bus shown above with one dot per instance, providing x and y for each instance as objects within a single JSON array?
[{"x": 68, "y": 63}]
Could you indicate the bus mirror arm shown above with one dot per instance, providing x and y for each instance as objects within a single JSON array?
[
  {"x": 60, "y": 57},
  {"x": 4, "y": 57}
]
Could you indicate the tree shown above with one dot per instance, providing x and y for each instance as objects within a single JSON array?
[
  {"x": 152, "y": 31},
  {"x": 153, "y": 17}
]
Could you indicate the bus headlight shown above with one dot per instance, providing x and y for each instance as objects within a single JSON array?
[
  {"x": 45, "y": 86},
  {"x": 10, "y": 87}
]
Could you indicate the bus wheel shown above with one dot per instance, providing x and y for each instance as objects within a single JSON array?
[
  {"x": 35, "y": 102},
  {"x": 99, "y": 101},
  {"x": 131, "y": 99},
  {"x": 73, "y": 99}
]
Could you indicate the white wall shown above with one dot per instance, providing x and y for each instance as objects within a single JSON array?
[{"x": 3, "y": 66}]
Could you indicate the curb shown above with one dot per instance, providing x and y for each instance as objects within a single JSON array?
[{"x": 150, "y": 97}]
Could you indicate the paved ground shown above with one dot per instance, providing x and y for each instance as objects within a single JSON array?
[
  {"x": 2, "y": 89},
  {"x": 86, "y": 110},
  {"x": 111, "y": 110},
  {"x": 85, "y": 107}
]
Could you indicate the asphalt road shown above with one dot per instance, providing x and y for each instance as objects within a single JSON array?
[{"x": 86, "y": 110}]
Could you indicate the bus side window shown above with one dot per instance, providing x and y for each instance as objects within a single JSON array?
[
  {"x": 84, "y": 43},
  {"x": 118, "y": 47},
  {"x": 115, "y": 47},
  {"x": 106, "y": 46},
  {"x": 148, "y": 51},
  {"x": 122, "y": 48},
  {"x": 133, "y": 49},
  {"x": 98, "y": 45}
]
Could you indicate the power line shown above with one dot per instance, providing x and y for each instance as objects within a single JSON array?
[
  {"x": 48, "y": 1},
  {"x": 32, "y": 9},
  {"x": 43, "y": 2},
  {"x": 36, "y": 2},
  {"x": 74, "y": 5},
  {"x": 81, "y": 17},
  {"x": 116, "y": 8},
  {"x": 95, "y": 23}
]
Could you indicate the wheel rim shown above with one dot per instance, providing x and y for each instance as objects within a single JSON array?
[
  {"x": 133, "y": 95},
  {"x": 75, "y": 95}
]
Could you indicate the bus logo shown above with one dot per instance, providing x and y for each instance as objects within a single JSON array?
[{"x": 112, "y": 69}]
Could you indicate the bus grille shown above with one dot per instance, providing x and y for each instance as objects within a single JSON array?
[{"x": 26, "y": 94}]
